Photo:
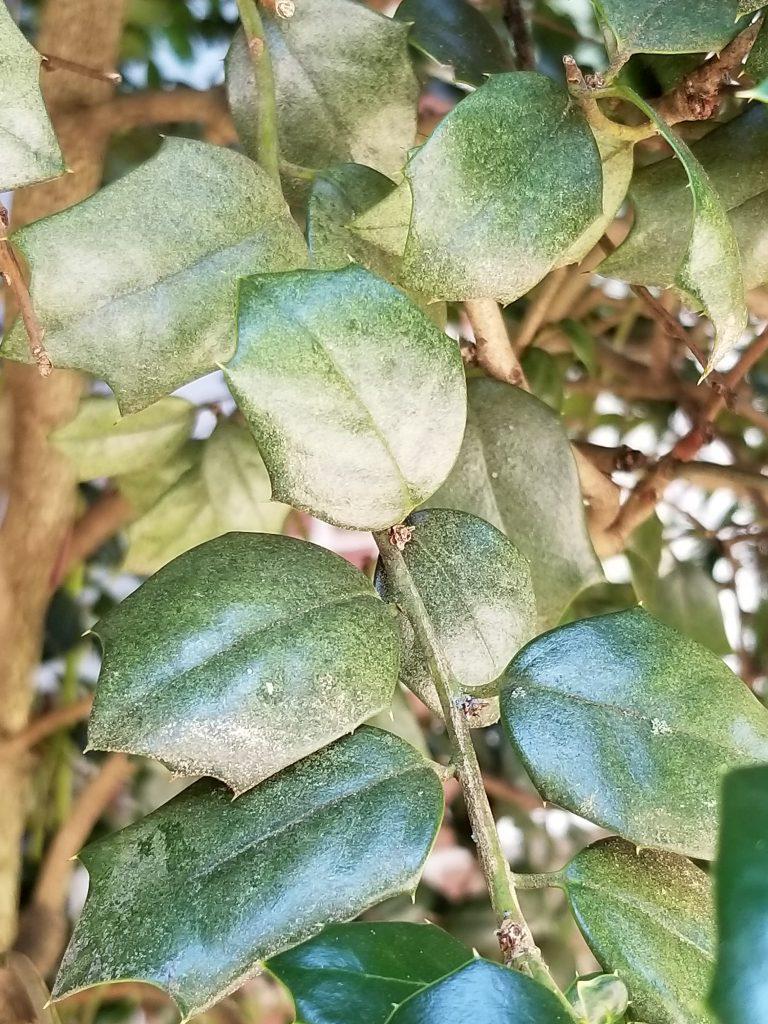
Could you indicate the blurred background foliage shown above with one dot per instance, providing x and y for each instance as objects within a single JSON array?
[{"x": 700, "y": 564}]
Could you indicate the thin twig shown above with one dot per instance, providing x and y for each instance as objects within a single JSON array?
[
  {"x": 493, "y": 348},
  {"x": 53, "y": 63},
  {"x": 47, "y": 725},
  {"x": 266, "y": 141},
  {"x": 517, "y": 24},
  {"x": 14, "y": 278}
]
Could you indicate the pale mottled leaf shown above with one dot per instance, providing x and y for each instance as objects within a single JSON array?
[
  {"x": 502, "y": 190},
  {"x": 709, "y": 273},
  {"x": 345, "y": 86},
  {"x": 137, "y": 284},
  {"x": 477, "y": 591},
  {"x": 242, "y": 656},
  {"x": 355, "y": 397},
  {"x": 668, "y": 26},
  {"x": 516, "y": 471},
  {"x": 29, "y": 151},
  {"x": 193, "y": 896},
  {"x": 101, "y": 443},
  {"x": 630, "y": 724}
]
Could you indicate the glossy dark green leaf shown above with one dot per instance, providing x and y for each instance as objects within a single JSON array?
[
  {"x": 345, "y": 86},
  {"x": 356, "y": 399},
  {"x": 668, "y": 26},
  {"x": 242, "y": 656},
  {"x": 756, "y": 64},
  {"x": 477, "y": 591},
  {"x": 456, "y": 34},
  {"x": 647, "y": 915},
  {"x": 516, "y": 471},
  {"x": 360, "y": 972},
  {"x": 193, "y": 896},
  {"x": 663, "y": 204},
  {"x": 338, "y": 196},
  {"x": 740, "y": 992},
  {"x": 709, "y": 271},
  {"x": 101, "y": 443},
  {"x": 503, "y": 188},
  {"x": 623, "y": 720},
  {"x": 29, "y": 151},
  {"x": 137, "y": 284},
  {"x": 483, "y": 993}
]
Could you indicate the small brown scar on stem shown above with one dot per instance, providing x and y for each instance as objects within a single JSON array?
[
  {"x": 471, "y": 707},
  {"x": 400, "y": 535},
  {"x": 513, "y": 941}
]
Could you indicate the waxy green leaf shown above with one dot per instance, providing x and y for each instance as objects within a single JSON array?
[
  {"x": 503, "y": 188},
  {"x": 360, "y": 972},
  {"x": 477, "y": 591},
  {"x": 457, "y": 35},
  {"x": 242, "y": 656},
  {"x": 709, "y": 274},
  {"x": 356, "y": 399},
  {"x": 647, "y": 915},
  {"x": 516, "y": 471},
  {"x": 29, "y": 151},
  {"x": 623, "y": 720},
  {"x": 338, "y": 196},
  {"x": 667, "y": 26},
  {"x": 344, "y": 82},
  {"x": 101, "y": 443},
  {"x": 483, "y": 993},
  {"x": 193, "y": 896},
  {"x": 740, "y": 993},
  {"x": 663, "y": 205},
  {"x": 137, "y": 284}
]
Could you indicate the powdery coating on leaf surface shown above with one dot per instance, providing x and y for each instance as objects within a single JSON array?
[
  {"x": 669, "y": 26},
  {"x": 242, "y": 656},
  {"x": 356, "y": 399},
  {"x": 516, "y": 471},
  {"x": 632, "y": 725},
  {"x": 193, "y": 896},
  {"x": 358, "y": 972},
  {"x": 647, "y": 915},
  {"x": 138, "y": 284},
  {"x": 476, "y": 588},
  {"x": 483, "y": 993},
  {"x": 29, "y": 151},
  {"x": 502, "y": 189},
  {"x": 345, "y": 86}
]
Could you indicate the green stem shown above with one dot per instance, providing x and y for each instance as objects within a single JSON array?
[
  {"x": 515, "y": 939},
  {"x": 536, "y": 881},
  {"x": 266, "y": 141}
]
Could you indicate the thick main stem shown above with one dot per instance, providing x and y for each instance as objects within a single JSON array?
[
  {"x": 266, "y": 141},
  {"x": 517, "y": 943}
]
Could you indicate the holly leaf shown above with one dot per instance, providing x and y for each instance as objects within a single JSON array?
[
  {"x": 647, "y": 915},
  {"x": 207, "y": 663},
  {"x": 354, "y": 972},
  {"x": 630, "y": 724},
  {"x": 344, "y": 84},
  {"x": 485, "y": 993},
  {"x": 740, "y": 992},
  {"x": 457, "y": 35},
  {"x": 193, "y": 896},
  {"x": 516, "y": 471},
  {"x": 101, "y": 443},
  {"x": 502, "y": 189},
  {"x": 356, "y": 399},
  {"x": 707, "y": 266},
  {"x": 29, "y": 151},
  {"x": 137, "y": 284},
  {"x": 666, "y": 26},
  {"x": 477, "y": 593}
]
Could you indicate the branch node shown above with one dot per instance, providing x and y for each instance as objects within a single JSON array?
[
  {"x": 400, "y": 535},
  {"x": 470, "y": 707}
]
